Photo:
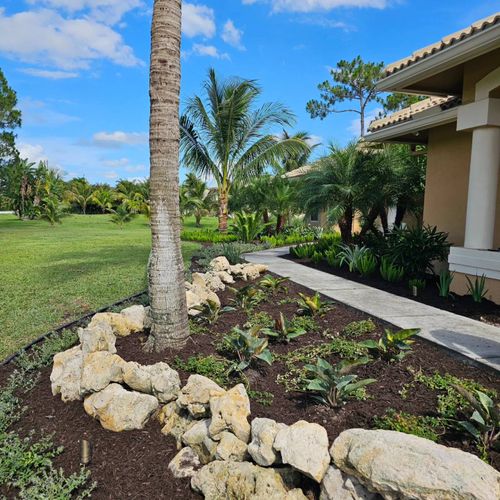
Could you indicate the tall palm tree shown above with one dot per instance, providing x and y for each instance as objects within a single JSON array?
[
  {"x": 298, "y": 159},
  {"x": 166, "y": 269},
  {"x": 227, "y": 137},
  {"x": 18, "y": 186},
  {"x": 342, "y": 182}
]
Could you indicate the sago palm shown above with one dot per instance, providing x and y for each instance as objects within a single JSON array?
[{"x": 227, "y": 137}]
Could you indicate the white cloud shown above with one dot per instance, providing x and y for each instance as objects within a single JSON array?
[
  {"x": 45, "y": 37},
  {"x": 200, "y": 49},
  {"x": 120, "y": 162},
  {"x": 51, "y": 75},
  {"x": 318, "y": 5},
  {"x": 33, "y": 152},
  {"x": 119, "y": 139},
  {"x": 36, "y": 112},
  {"x": 198, "y": 20},
  {"x": 324, "y": 22},
  {"x": 232, "y": 35},
  {"x": 106, "y": 11}
]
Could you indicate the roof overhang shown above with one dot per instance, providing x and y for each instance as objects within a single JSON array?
[
  {"x": 414, "y": 131},
  {"x": 407, "y": 78}
]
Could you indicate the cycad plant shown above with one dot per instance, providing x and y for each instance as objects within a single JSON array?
[
  {"x": 247, "y": 227},
  {"x": 226, "y": 136}
]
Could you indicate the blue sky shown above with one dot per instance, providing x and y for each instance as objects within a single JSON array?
[{"x": 80, "y": 67}]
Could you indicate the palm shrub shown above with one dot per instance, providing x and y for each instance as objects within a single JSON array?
[
  {"x": 392, "y": 345},
  {"x": 247, "y": 227},
  {"x": 477, "y": 289},
  {"x": 334, "y": 384},
  {"x": 51, "y": 210},
  {"x": 122, "y": 215},
  {"x": 389, "y": 271},
  {"x": 415, "y": 249}
]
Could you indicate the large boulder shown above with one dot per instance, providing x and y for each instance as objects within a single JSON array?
[
  {"x": 264, "y": 431},
  {"x": 136, "y": 317},
  {"x": 403, "y": 466},
  {"x": 198, "y": 438},
  {"x": 159, "y": 380},
  {"x": 248, "y": 271},
  {"x": 242, "y": 480},
  {"x": 339, "y": 486},
  {"x": 224, "y": 276},
  {"x": 98, "y": 337},
  {"x": 99, "y": 370},
  {"x": 304, "y": 446},
  {"x": 120, "y": 410},
  {"x": 185, "y": 464},
  {"x": 231, "y": 448},
  {"x": 230, "y": 411},
  {"x": 121, "y": 324},
  {"x": 66, "y": 374},
  {"x": 175, "y": 421},
  {"x": 219, "y": 264},
  {"x": 195, "y": 395}
]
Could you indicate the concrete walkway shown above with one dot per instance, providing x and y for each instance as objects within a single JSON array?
[{"x": 476, "y": 340}]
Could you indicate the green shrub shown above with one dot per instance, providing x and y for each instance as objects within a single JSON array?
[
  {"x": 265, "y": 398},
  {"x": 207, "y": 236},
  {"x": 306, "y": 323},
  {"x": 281, "y": 240},
  {"x": 273, "y": 284},
  {"x": 393, "y": 346},
  {"x": 352, "y": 255},
  {"x": 210, "y": 312},
  {"x": 418, "y": 283},
  {"x": 317, "y": 257},
  {"x": 211, "y": 366},
  {"x": 261, "y": 319},
  {"x": 327, "y": 241},
  {"x": 304, "y": 251},
  {"x": 367, "y": 264},
  {"x": 332, "y": 257},
  {"x": 358, "y": 328},
  {"x": 421, "y": 426},
  {"x": 391, "y": 272},
  {"x": 445, "y": 280},
  {"x": 247, "y": 297},
  {"x": 247, "y": 227}
]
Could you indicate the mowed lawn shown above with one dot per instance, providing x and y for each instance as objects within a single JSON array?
[{"x": 52, "y": 275}]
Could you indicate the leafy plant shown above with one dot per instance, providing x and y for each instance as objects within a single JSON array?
[
  {"x": 351, "y": 255},
  {"x": 317, "y": 257},
  {"x": 445, "y": 280},
  {"x": 393, "y": 345},
  {"x": 265, "y": 398},
  {"x": 416, "y": 248},
  {"x": 418, "y": 283},
  {"x": 248, "y": 346},
  {"x": 283, "y": 330},
  {"x": 357, "y": 328},
  {"x": 332, "y": 257},
  {"x": 312, "y": 305},
  {"x": 484, "y": 423},
  {"x": 211, "y": 311},
  {"x": 422, "y": 426},
  {"x": 209, "y": 366},
  {"x": 366, "y": 264},
  {"x": 391, "y": 272},
  {"x": 477, "y": 289},
  {"x": 122, "y": 215},
  {"x": 207, "y": 236},
  {"x": 247, "y": 297},
  {"x": 273, "y": 284},
  {"x": 302, "y": 251},
  {"x": 247, "y": 227},
  {"x": 51, "y": 210},
  {"x": 306, "y": 323},
  {"x": 262, "y": 319},
  {"x": 334, "y": 384}
]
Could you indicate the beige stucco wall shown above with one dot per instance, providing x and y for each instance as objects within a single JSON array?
[{"x": 477, "y": 69}]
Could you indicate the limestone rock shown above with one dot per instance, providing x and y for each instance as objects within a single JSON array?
[
  {"x": 195, "y": 395},
  {"x": 261, "y": 449},
  {"x": 99, "y": 337},
  {"x": 136, "y": 317},
  {"x": 230, "y": 411},
  {"x": 159, "y": 380},
  {"x": 214, "y": 281},
  {"x": 219, "y": 264},
  {"x": 224, "y": 276},
  {"x": 185, "y": 464},
  {"x": 198, "y": 279},
  {"x": 175, "y": 421},
  {"x": 119, "y": 323},
  {"x": 339, "y": 486},
  {"x": 198, "y": 439},
  {"x": 193, "y": 301},
  {"x": 241, "y": 480},
  {"x": 120, "y": 410},
  {"x": 99, "y": 370},
  {"x": 204, "y": 294},
  {"x": 401, "y": 465},
  {"x": 248, "y": 271},
  {"x": 231, "y": 448},
  {"x": 66, "y": 374},
  {"x": 304, "y": 446}
]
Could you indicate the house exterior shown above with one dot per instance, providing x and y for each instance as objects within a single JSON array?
[{"x": 460, "y": 125}]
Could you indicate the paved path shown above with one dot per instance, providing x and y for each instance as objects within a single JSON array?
[{"x": 474, "y": 339}]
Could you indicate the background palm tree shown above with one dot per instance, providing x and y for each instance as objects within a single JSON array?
[
  {"x": 225, "y": 136},
  {"x": 198, "y": 199},
  {"x": 18, "y": 179},
  {"x": 166, "y": 269},
  {"x": 80, "y": 192},
  {"x": 103, "y": 197},
  {"x": 296, "y": 159}
]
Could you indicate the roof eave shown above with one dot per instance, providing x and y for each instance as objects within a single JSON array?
[
  {"x": 391, "y": 133},
  {"x": 406, "y": 79}
]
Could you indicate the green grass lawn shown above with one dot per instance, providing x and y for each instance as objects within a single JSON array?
[{"x": 52, "y": 275}]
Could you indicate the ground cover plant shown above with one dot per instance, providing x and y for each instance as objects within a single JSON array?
[
  {"x": 52, "y": 275},
  {"x": 416, "y": 394}
]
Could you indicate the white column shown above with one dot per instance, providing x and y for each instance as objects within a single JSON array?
[{"x": 483, "y": 182}]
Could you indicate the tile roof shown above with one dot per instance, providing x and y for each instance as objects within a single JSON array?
[
  {"x": 411, "y": 111},
  {"x": 447, "y": 41}
]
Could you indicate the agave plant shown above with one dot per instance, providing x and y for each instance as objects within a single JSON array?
[
  {"x": 284, "y": 330},
  {"x": 248, "y": 346},
  {"x": 312, "y": 305},
  {"x": 273, "y": 284},
  {"x": 334, "y": 384},
  {"x": 392, "y": 345}
]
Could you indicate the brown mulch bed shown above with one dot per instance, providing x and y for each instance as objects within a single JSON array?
[
  {"x": 134, "y": 464},
  {"x": 486, "y": 311}
]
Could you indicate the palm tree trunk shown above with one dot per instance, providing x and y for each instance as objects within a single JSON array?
[
  {"x": 400, "y": 214},
  {"x": 223, "y": 210},
  {"x": 166, "y": 270},
  {"x": 280, "y": 222},
  {"x": 383, "y": 220},
  {"x": 345, "y": 225}
]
